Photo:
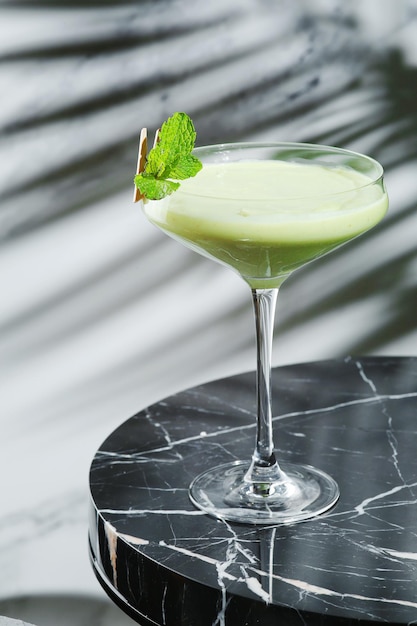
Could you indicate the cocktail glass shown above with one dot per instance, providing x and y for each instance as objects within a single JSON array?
[{"x": 265, "y": 210}]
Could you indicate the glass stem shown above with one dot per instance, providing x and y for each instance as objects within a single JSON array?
[{"x": 264, "y": 468}]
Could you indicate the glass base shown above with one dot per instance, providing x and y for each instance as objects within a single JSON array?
[{"x": 303, "y": 492}]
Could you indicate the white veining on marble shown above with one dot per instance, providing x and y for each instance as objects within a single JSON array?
[
  {"x": 140, "y": 512},
  {"x": 388, "y": 553},
  {"x": 393, "y": 443},
  {"x": 302, "y": 586},
  {"x": 234, "y": 547},
  {"x": 365, "y": 506},
  {"x": 137, "y": 541},
  {"x": 392, "y": 440},
  {"x": 163, "y": 605},
  {"x": 255, "y": 586},
  {"x": 322, "y": 591},
  {"x": 364, "y": 377},
  {"x": 201, "y": 557},
  {"x": 342, "y": 405},
  {"x": 160, "y": 427},
  {"x": 144, "y": 456},
  {"x": 221, "y": 615},
  {"x": 400, "y": 555}
]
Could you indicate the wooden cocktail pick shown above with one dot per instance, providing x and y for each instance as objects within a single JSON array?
[{"x": 143, "y": 151}]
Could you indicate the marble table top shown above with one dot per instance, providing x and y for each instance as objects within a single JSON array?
[{"x": 166, "y": 563}]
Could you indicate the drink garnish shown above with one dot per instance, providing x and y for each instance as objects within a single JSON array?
[{"x": 169, "y": 161}]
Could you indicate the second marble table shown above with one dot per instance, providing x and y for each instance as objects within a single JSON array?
[{"x": 166, "y": 563}]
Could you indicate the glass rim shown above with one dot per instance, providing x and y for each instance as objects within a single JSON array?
[{"x": 292, "y": 144}]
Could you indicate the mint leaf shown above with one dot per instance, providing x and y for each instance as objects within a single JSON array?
[
  {"x": 154, "y": 188},
  {"x": 186, "y": 167},
  {"x": 169, "y": 159}
]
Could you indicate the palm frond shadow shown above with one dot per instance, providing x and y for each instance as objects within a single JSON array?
[
  {"x": 253, "y": 104},
  {"x": 286, "y": 102},
  {"x": 391, "y": 277}
]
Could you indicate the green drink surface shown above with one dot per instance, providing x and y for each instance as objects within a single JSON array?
[{"x": 266, "y": 219}]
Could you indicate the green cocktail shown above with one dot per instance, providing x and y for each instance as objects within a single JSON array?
[
  {"x": 265, "y": 210},
  {"x": 267, "y": 218}
]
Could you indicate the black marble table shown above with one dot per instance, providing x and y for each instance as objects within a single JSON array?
[{"x": 166, "y": 563}]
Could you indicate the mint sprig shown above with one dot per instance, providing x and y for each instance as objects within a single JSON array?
[{"x": 170, "y": 159}]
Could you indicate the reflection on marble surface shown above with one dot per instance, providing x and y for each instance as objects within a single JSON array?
[{"x": 100, "y": 315}]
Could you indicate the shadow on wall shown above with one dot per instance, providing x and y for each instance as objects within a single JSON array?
[{"x": 88, "y": 75}]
